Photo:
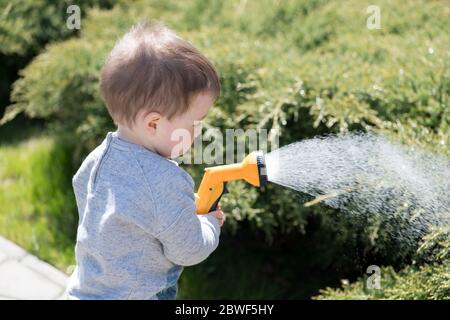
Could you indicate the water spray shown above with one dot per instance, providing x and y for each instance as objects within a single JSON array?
[{"x": 361, "y": 174}]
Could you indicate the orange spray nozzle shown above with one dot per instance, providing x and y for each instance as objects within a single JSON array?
[{"x": 252, "y": 169}]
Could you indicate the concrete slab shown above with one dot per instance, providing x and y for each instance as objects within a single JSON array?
[{"x": 24, "y": 276}]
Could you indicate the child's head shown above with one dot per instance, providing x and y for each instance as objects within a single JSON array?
[{"x": 153, "y": 83}]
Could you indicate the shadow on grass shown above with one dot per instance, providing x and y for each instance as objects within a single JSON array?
[
  {"x": 245, "y": 267},
  {"x": 20, "y": 129}
]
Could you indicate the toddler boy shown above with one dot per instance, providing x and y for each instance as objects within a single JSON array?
[{"x": 138, "y": 225}]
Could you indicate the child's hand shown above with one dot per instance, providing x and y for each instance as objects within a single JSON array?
[{"x": 220, "y": 215}]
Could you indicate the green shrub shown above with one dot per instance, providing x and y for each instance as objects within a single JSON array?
[
  {"x": 418, "y": 283},
  {"x": 362, "y": 79},
  {"x": 27, "y": 25},
  {"x": 427, "y": 281},
  {"x": 303, "y": 67}
]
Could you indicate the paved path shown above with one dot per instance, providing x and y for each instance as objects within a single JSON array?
[{"x": 23, "y": 276}]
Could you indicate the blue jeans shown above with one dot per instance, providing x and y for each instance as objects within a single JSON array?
[{"x": 169, "y": 293}]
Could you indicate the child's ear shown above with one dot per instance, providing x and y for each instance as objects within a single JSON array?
[{"x": 151, "y": 121}]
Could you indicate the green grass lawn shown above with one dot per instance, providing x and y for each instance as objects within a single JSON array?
[{"x": 36, "y": 206}]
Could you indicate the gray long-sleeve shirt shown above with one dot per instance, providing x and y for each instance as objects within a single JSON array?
[{"x": 137, "y": 224}]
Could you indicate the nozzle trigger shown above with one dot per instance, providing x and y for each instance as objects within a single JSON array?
[{"x": 225, "y": 189}]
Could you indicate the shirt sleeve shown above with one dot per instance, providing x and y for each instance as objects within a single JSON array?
[{"x": 187, "y": 238}]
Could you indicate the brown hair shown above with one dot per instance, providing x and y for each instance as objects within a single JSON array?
[{"x": 151, "y": 68}]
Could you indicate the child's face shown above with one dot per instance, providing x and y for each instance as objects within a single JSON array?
[{"x": 174, "y": 137}]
